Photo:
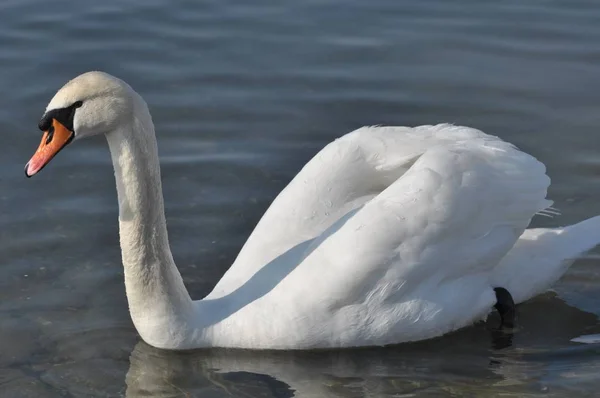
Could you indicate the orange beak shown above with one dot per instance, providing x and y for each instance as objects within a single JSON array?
[{"x": 53, "y": 140}]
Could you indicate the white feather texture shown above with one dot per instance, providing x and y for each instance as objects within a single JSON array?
[{"x": 388, "y": 235}]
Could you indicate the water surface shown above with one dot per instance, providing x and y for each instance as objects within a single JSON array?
[{"x": 242, "y": 95}]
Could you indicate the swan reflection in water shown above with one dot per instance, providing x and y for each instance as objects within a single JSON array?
[
  {"x": 477, "y": 360},
  {"x": 346, "y": 373}
]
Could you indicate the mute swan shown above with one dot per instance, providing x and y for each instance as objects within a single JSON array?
[{"x": 388, "y": 235}]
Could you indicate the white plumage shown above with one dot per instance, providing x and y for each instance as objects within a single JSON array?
[{"x": 388, "y": 235}]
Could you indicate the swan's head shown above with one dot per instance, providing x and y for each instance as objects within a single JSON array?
[{"x": 91, "y": 104}]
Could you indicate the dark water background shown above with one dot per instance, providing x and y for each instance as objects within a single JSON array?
[{"x": 242, "y": 95}]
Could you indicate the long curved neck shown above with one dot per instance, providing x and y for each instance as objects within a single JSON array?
[{"x": 159, "y": 303}]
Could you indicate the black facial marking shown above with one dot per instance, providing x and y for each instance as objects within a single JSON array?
[{"x": 63, "y": 115}]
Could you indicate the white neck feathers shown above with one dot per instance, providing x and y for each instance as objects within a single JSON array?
[{"x": 159, "y": 303}]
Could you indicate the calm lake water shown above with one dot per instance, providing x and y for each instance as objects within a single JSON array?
[{"x": 243, "y": 94}]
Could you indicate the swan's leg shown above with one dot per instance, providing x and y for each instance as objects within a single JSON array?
[{"x": 505, "y": 307}]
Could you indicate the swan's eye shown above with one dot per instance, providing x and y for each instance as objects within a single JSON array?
[{"x": 77, "y": 104}]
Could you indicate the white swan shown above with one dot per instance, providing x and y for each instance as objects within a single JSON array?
[{"x": 388, "y": 235}]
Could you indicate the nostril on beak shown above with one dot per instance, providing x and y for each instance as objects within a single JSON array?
[{"x": 50, "y": 135}]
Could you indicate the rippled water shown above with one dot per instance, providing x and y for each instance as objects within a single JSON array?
[{"x": 243, "y": 94}]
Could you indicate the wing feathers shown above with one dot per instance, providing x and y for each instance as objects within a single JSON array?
[
  {"x": 457, "y": 211},
  {"x": 401, "y": 202}
]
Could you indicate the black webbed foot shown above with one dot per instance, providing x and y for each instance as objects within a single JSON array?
[{"x": 505, "y": 306}]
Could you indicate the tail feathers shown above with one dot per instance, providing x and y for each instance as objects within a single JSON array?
[
  {"x": 541, "y": 256},
  {"x": 577, "y": 239}
]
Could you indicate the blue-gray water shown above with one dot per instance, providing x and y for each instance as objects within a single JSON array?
[{"x": 242, "y": 94}]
